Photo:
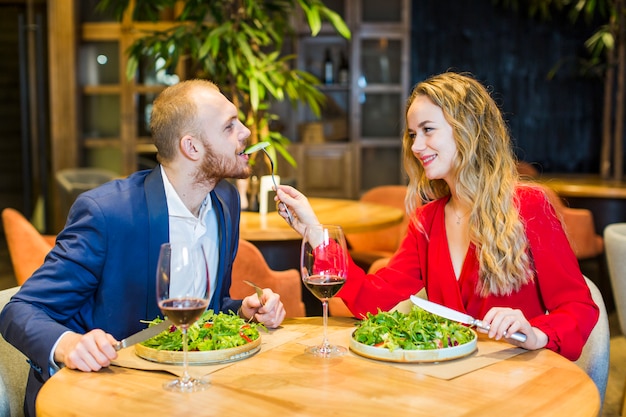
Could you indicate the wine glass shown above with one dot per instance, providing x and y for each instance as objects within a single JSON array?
[
  {"x": 324, "y": 269},
  {"x": 182, "y": 285}
]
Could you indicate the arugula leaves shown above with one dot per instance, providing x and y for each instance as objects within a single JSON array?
[
  {"x": 418, "y": 330},
  {"x": 211, "y": 332}
]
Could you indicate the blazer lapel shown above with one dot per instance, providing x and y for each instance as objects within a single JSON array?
[
  {"x": 223, "y": 219},
  {"x": 157, "y": 235}
]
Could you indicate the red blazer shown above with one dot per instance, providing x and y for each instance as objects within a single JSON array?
[{"x": 558, "y": 301}]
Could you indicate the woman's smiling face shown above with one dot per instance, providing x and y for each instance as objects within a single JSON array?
[{"x": 433, "y": 140}]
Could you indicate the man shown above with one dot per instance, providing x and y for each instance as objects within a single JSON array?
[{"x": 98, "y": 282}]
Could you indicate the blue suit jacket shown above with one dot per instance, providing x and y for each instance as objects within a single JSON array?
[{"x": 101, "y": 272}]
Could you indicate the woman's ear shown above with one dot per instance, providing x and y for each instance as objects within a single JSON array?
[{"x": 189, "y": 147}]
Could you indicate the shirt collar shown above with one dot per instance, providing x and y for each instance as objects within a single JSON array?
[{"x": 175, "y": 205}]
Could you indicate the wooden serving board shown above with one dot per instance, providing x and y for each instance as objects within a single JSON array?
[{"x": 199, "y": 358}]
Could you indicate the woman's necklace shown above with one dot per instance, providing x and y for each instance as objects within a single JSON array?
[{"x": 458, "y": 218}]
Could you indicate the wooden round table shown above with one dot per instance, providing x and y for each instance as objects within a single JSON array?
[
  {"x": 284, "y": 381},
  {"x": 352, "y": 215}
]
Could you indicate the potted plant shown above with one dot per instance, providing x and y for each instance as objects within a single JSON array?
[{"x": 238, "y": 45}]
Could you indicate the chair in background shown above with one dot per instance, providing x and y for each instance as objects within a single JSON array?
[
  {"x": 74, "y": 181},
  {"x": 27, "y": 246},
  {"x": 615, "y": 241},
  {"x": 579, "y": 227},
  {"x": 251, "y": 265},
  {"x": 594, "y": 359},
  {"x": 367, "y": 247},
  {"x": 13, "y": 371}
]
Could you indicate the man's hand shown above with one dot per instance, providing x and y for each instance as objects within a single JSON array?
[
  {"x": 268, "y": 310},
  {"x": 89, "y": 352}
]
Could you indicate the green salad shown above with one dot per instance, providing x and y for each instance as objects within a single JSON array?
[
  {"x": 211, "y": 332},
  {"x": 418, "y": 330}
]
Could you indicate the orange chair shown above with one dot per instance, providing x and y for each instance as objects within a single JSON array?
[
  {"x": 27, "y": 247},
  {"x": 579, "y": 227},
  {"x": 250, "y": 265},
  {"x": 367, "y": 247}
]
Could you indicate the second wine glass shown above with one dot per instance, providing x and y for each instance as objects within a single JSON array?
[
  {"x": 324, "y": 269},
  {"x": 182, "y": 285}
]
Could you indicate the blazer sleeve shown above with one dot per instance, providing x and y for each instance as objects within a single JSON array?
[{"x": 36, "y": 316}]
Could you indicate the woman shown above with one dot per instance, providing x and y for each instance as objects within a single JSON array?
[{"x": 485, "y": 244}]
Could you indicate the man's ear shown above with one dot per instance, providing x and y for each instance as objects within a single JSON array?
[{"x": 189, "y": 147}]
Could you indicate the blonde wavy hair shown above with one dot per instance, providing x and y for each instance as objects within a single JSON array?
[{"x": 486, "y": 172}]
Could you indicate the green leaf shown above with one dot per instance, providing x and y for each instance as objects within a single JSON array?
[
  {"x": 254, "y": 94},
  {"x": 131, "y": 67},
  {"x": 338, "y": 23}
]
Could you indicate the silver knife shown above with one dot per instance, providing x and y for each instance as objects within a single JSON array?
[
  {"x": 454, "y": 315},
  {"x": 144, "y": 334}
]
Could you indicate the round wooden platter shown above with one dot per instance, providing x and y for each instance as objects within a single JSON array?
[
  {"x": 208, "y": 357},
  {"x": 414, "y": 356}
]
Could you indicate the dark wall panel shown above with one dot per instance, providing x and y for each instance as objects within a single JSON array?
[{"x": 554, "y": 122}]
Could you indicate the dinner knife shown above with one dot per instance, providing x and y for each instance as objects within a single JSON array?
[
  {"x": 142, "y": 335},
  {"x": 454, "y": 315}
]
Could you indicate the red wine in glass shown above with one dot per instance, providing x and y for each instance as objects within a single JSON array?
[
  {"x": 183, "y": 311},
  {"x": 182, "y": 285},
  {"x": 324, "y": 286},
  {"x": 324, "y": 269}
]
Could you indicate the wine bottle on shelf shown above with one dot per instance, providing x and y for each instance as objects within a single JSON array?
[
  {"x": 328, "y": 68},
  {"x": 344, "y": 70}
]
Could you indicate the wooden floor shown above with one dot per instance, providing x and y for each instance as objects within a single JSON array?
[{"x": 617, "y": 372}]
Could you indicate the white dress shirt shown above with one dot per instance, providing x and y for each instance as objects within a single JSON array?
[{"x": 185, "y": 227}]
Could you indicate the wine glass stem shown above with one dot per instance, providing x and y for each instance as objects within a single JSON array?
[
  {"x": 325, "y": 343},
  {"x": 185, "y": 378}
]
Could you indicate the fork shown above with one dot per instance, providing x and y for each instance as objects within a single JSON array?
[
  {"x": 259, "y": 290},
  {"x": 289, "y": 217}
]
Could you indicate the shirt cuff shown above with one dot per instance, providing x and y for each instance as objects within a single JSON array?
[{"x": 52, "y": 365}]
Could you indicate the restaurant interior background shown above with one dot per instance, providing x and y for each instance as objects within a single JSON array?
[
  {"x": 62, "y": 110},
  {"x": 556, "y": 123}
]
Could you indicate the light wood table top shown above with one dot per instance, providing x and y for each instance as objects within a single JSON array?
[
  {"x": 352, "y": 215},
  {"x": 585, "y": 186},
  {"x": 283, "y": 381}
]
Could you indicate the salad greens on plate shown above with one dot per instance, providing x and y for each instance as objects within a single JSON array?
[
  {"x": 213, "y": 331},
  {"x": 417, "y": 330}
]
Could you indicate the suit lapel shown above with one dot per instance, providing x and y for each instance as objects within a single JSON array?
[
  {"x": 157, "y": 235},
  {"x": 223, "y": 232}
]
